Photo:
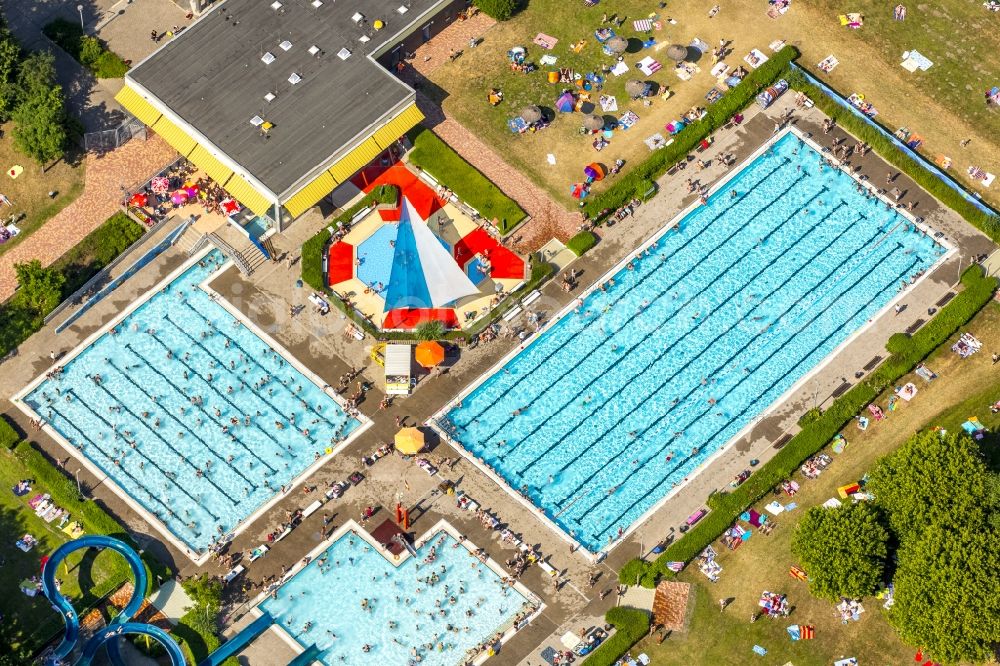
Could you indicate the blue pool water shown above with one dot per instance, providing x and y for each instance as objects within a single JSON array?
[
  {"x": 257, "y": 226},
  {"x": 407, "y": 610},
  {"x": 619, "y": 401},
  {"x": 375, "y": 253},
  {"x": 174, "y": 376}
]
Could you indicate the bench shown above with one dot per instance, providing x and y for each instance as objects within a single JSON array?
[{"x": 782, "y": 441}]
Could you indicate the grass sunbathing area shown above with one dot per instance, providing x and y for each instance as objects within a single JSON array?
[
  {"x": 29, "y": 192},
  {"x": 29, "y": 621},
  {"x": 964, "y": 387},
  {"x": 955, "y": 35}
]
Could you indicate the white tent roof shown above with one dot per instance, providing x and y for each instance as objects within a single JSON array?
[
  {"x": 397, "y": 360},
  {"x": 446, "y": 281}
]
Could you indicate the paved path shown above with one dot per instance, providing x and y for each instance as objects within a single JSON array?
[
  {"x": 548, "y": 218},
  {"x": 100, "y": 199}
]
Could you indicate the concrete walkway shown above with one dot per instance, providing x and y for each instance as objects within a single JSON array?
[
  {"x": 103, "y": 180},
  {"x": 548, "y": 218}
]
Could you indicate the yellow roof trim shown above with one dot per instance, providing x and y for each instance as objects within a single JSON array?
[
  {"x": 398, "y": 126},
  {"x": 174, "y": 135},
  {"x": 352, "y": 162},
  {"x": 210, "y": 164},
  {"x": 247, "y": 194},
  {"x": 137, "y": 106},
  {"x": 307, "y": 197}
]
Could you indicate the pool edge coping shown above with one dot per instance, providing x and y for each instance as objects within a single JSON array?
[
  {"x": 105, "y": 479},
  {"x": 539, "y": 512}
]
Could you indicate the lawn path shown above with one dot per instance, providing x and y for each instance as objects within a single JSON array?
[
  {"x": 99, "y": 200},
  {"x": 548, "y": 219}
]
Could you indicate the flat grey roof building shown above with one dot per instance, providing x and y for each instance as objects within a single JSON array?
[{"x": 279, "y": 90}]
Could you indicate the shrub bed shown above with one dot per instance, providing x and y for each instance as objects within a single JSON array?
[
  {"x": 8, "y": 434},
  {"x": 631, "y": 625},
  {"x": 726, "y": 507},
  {"x": 581, "y": 243},
  {"x": 438, "y": 159},
  {"x": 863, "y": 130},
  {"x": 90, "y": 52},
  {"x": 643, "y": 176}
]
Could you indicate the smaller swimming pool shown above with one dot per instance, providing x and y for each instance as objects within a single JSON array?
[
  {"x": 257, "y": 226},
  {"x": 357, "y": 607},
  {"x": 476, "y": 271}
]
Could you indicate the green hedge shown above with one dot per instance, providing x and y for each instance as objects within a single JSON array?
[
  {"x": 196, "y": 644},
  {"x": 642, "y": 177},
  {"x": 313, "y": 249},
  {"x": 581, "y": 243},
  {"x": 8, "y": 434},
  {"x": 631, "y": 625},
  {"x": 438, "y": 159},
  {"x": 987, "y": 223},
  {"x": 90, "y": 52},
  {"x": 726, "y": 507}
]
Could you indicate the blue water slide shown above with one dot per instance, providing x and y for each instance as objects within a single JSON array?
[
  {"x": 307, "y": 657},
  {"x": 115, "y": 630},
  {"x": 239, "y": 641},
  {"x": 63, "y": 605}
]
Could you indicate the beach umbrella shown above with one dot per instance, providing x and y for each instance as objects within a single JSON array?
[
  {"x": 616, "y": 44},
  {"x": 531, "y": 114},
  {"x": 635, "y": 88},
  {"x": 594, "y": 171},
  {"x": 179, "y": 197},
  {"x": 578, "y": 191},
  {"x": 593, "y": 122},
  {"x": 160, "y": 185},
  {"x": 139, "y": 199},
  {"x": 565, "y": 103},
  {"x": 429, "y": 354},
  {"x": 677, "y": 52},
  {"x": 191, "y": 190},
  {"x": 409, "y": 441}
]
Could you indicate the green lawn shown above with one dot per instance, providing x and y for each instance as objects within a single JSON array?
[
  {"x": 30, "y": 621},
  {"x": 439, "y": 160},
  {"x": 964, "y": 388},
  {"x": 945, "y": 105}
]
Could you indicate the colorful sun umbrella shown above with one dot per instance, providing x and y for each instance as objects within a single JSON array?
[
  {"x": 179, "y": 197},
  {"x": 594, "y": 171},
  {"x": 579, "y": 191},
  {"x": 565, "y": 103},
  {"x": 429, "y": 354},
  {"x": 160, "y": 184},
  {"x": 409, "y": 441},
  {"x": 191, "y": 190},
  {"x": 139, "y": 199}
]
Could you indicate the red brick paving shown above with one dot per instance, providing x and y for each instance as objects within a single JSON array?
[
  {"x": 548, "y": 218},
  {"x": 99, "y": 200}
]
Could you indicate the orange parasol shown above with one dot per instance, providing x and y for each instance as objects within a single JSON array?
[
  {"x": 409, "y": 441},
  {"x": 429, "y": 354}
]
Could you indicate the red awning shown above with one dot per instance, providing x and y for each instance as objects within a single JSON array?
[{"x": 340, "y": 262}]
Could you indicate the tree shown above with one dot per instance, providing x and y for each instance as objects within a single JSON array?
[
  {"x": 36, "y": 74},
  {"x": 10, "y": 56},
  {"x": 501, "y": 10},
  {"x": 430, "y": 330},
  {"x": 946, "y": 595},
  {"x": 843, "y": 550},
  {"x": 40, "y": 126},
  {"x": 932, "y": 479},
  {"x": 41, "y": 288},
  {"x": 206, "y": 593}
]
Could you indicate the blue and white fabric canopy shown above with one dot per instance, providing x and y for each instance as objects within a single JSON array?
[{"x": 424, "y": 273}]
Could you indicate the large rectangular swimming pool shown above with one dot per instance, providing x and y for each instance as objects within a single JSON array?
[
  {"x": 619, "y": 401},
  {"x": 189, "y": 412}
]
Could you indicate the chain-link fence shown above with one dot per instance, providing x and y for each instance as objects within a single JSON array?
[{"x": 108, "y": 140}]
